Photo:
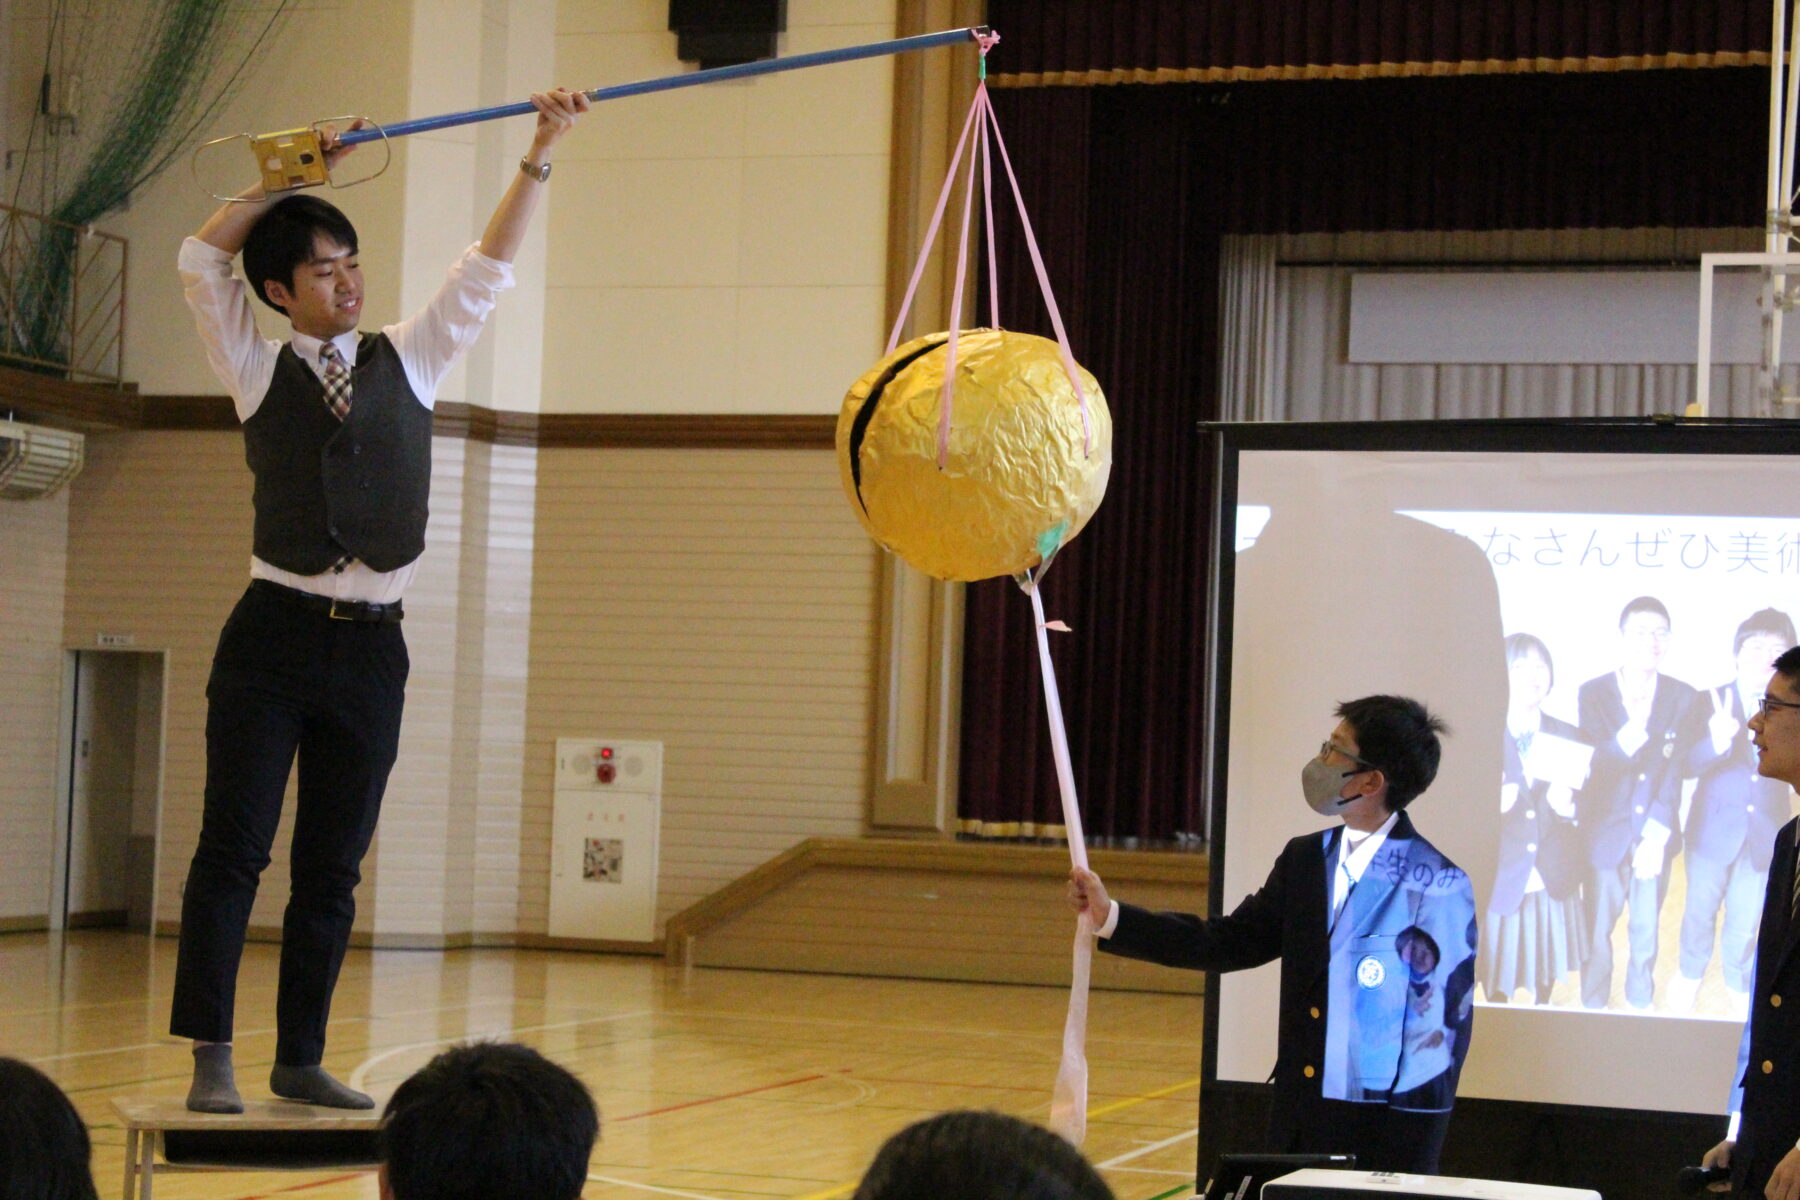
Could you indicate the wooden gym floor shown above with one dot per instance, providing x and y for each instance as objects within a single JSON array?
[{"x": 713, "y": 1084}]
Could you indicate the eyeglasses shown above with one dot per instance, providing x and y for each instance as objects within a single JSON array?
[
  {"x": 1328, "y": 748},
  {"x": 1769, "y": 704}
]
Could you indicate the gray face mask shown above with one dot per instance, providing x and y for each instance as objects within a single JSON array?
[{"x": 1321, "y": 784}]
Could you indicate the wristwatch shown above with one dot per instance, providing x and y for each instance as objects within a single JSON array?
[{"x": 539, "y": 172}]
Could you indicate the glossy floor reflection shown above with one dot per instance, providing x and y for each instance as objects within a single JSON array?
[{"x": 713, "y": 1084}]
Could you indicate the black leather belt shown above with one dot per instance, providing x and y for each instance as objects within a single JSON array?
[{"x": 338, "y": 610}]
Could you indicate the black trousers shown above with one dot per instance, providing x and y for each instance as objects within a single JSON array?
[{"x": 286, "y": 681}]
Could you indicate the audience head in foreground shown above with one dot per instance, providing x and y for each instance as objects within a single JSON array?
[
  {"x": 44, "y": 1149},
  {"x": 979, "y": 1156},
  {"x": 488, "y": 1121}
]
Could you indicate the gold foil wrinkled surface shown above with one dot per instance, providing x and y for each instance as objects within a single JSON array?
[{"x": 1019, "y": 480}]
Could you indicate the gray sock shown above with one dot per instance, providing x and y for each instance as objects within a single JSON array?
[
  {"x": 313, "y": 1086},
  {"x": 214, "y": 1088}
]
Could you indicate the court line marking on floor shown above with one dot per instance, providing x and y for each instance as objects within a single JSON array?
[
  {"x": 311, "y": 1183},
  {"x": 767, "y": 1087},
  {"x": 649, "y": 1187},
  {"x": 1152, "y": 1148},
  {"x": 1173, "y": 1192},
  {"x": 1188, "y": 1175},
  {"x": 1121, "y": 1105},
  {"x": 831, "y": 1193},
  {"x": 362, "y": 1071}
]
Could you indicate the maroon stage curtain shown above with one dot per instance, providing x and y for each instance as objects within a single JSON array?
[
  {"x": 1151, "y": 41},
  {"x": 1136, "y": 278},
  {"x": 1129, "y": 189}
]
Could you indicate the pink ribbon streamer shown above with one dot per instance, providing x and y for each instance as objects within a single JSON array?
[
  {"x": 945, "y": 396},
  {"x": 981, "y": 121},
  {"x": 931, "y": 232},
  {"x": 1068, "y": 1102},
  {"x": 1043, "y": 278},
  {"x": 1068, "y": 1098}
]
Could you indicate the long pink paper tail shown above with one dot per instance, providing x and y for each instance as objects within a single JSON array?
[{"x": 1068, "y": 1100}]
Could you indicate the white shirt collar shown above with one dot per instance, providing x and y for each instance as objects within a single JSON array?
[
  {"x": 1357, "y": 860},
  {"x": 307, "y": 347}
]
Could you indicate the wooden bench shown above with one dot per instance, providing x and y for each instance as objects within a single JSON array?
[{"x": 269, "y": 1135}]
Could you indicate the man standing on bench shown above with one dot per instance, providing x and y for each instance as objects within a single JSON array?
[{"x": 337, "y": 431}]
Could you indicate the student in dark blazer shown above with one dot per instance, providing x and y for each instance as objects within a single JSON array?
[
  {"x": 1762, "y": 1152},
  {"x": 1732, "y": 819},
  {"x": 1632, "y": 717},
  {"x": 1375, "y": 930},
  {"x": 1534, "y": 934}
]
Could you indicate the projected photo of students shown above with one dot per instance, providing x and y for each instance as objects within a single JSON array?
[
  {"x": 1732, "y": 816},
  {"x": 1535, "y": 936},
  {"x": 1629, "y": 808}
]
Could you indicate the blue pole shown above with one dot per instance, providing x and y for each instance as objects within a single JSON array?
[{"x": 767, "y": 66}]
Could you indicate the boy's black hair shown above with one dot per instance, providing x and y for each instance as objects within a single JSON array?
[
  {"x": 282, "y": 239},
  {"x": 979, "y": 1156},
  {"x": 45, "y": 1153},
  {"x": 489, "y": 1121},
  {"x": 1397, "y": 735}
]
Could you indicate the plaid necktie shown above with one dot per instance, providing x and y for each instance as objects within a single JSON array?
[
  {"x": 337, "y": 380},
  {"x": 337, "y": 399}
]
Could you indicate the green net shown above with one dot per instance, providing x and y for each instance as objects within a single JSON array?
[{"x": 147, "y": 77}]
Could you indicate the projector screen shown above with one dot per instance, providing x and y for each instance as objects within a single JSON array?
[{"x": 1349, "y": 570}]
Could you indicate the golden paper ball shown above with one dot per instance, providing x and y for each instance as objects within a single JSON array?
[{"x": 1019, "y": 481}]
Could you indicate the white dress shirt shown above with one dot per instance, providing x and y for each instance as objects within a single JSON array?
[
  {"x": 428, "y": 343},
  {"x": 1353, "y": 860}
]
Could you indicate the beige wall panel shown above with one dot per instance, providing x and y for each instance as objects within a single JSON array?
[
  {"x": 447, "y": 42},
  {"x": 704, "y": 122},
  {"x": 370, "y": 67},
  {"x": 413, "y": 848},
  {"x": 448, "y": 848},
  {"x": 612, "y": 16},
  {"x": 33, "y": 566},
  {"x": 640, "y": 350},
  {"x": 803, "y": 13},
  {"x": 518, "y": 57},
  {"x": 931, "y": 925},
  {"x": 800, "y": 348},
  {"x": 440, "y": 224},
  {"x": 841, "y": 109},
  {"x": 814, "y": 220},
  {"x": 721, "y": 602},
  {"x": 659, "y": 223},
  {"x": 511, "y": 482},
  {"x": 732, "y": 255}
]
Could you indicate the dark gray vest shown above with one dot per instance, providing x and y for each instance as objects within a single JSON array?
[{"x": 326, "y": 488}]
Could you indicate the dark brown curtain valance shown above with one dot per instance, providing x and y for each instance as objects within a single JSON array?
[{"x": 1048, "y": 42}]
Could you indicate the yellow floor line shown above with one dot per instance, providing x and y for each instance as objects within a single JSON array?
[{"x": 1118, "y": 1105}]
